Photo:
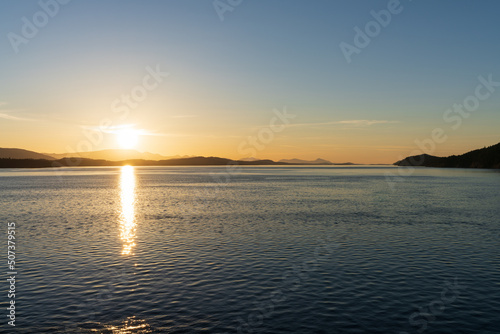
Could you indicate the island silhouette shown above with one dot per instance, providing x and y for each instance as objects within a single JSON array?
[
  {"x": 487, "y": 157},
  {"x": 20, "y": 158}
]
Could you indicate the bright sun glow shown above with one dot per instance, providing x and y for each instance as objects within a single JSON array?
[{"x": 127, "y": 138}]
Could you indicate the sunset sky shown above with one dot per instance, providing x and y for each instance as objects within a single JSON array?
[{"x": 187, "y": 77}]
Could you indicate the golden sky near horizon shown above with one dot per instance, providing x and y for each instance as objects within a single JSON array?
[{"x": 175, "y": 79}]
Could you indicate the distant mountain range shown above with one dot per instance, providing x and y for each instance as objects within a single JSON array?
[
  {"x": 303, "y": 162},
  {"x": 18, "y": 158},
  {"x": 306, "y": 162},
  {"x": 83, "y": 162},
  {"x": 314, "y": 162},
  {"x": 487, "y": 157}
]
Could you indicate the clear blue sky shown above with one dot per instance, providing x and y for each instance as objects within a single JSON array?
[{"x": 227, "y": 76}]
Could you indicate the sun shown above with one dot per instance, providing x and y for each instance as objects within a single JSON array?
[{"x": 127, "y": 138}]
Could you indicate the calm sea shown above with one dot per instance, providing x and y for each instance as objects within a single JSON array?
[{"x": 253, "y": 250}]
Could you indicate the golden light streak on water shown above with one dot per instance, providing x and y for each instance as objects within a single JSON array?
[
  {"x": 131, "y": 325},
  {"x": 127, "y": 214}
]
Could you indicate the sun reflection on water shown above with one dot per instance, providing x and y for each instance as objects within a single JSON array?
[
  {"x": 131, "y": 325},
  {"x": 127, "y": 214}
]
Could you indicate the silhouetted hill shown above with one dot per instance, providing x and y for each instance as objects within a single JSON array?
[
  {"x": 17, "y": 153},
  {"x": 419, "y": 160},
  {"x": 314, "y": 162},
  {"x": 83, "y": 162},
  {"x": 306, "y": 162},
  {"x": 196, "y": 161},
  {"x": 212, "y": 161},
  {"x": 25, "y": 163},
  {"x": 488, "y": 157}
]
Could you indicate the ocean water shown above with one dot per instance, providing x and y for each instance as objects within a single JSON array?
[{"x": 252, "y": 250}]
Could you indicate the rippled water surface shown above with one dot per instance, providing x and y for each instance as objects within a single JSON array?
[{"x": 257, "y": 250}]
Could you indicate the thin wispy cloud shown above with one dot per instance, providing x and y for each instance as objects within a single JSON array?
[
  {"x": 354, "y": 122},
  {"x": 365, "y": 122},
  {"x": 14, "y": 118},
  {"x": 7, "y": 114}
]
